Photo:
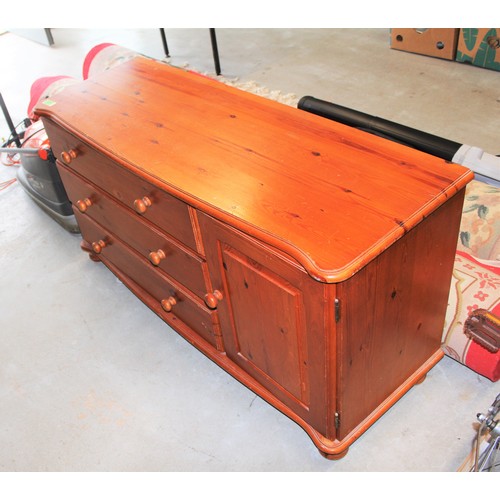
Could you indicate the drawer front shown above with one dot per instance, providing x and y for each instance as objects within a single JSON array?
[
  {"x": 161, "y": 251},
  {"x": 161, "y": 208},
  {"x": 164, "y": 297}
]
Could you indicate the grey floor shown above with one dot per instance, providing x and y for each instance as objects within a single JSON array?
[{"x": 91, "y": 380}]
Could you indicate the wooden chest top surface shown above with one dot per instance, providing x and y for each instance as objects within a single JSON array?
[{"x": 330, "y": 196}]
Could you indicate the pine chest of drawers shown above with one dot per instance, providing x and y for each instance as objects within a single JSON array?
[{"x": 309, "y": 260}]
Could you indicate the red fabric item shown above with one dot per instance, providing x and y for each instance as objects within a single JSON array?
[
  {"x": 493, "y": 268},
  {"x": 483, "y": 361},
  {"x": 38, "y": 87},
  {"x": 90, "y": 57}
]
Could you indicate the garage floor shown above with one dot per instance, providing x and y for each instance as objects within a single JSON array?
[{"x": 92, "y": 380}]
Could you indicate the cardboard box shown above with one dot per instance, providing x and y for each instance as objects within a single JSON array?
[
  {"x": 435, "y": 42},
  {"x": 480, "y": 47}
]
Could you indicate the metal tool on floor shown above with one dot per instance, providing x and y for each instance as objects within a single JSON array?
[{"x": 488, "y": 440}]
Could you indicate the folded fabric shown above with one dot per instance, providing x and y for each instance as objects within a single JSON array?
[
  {"x": 475, "y": 285},
  {"x": 105, "y": 56},
  {"x": 47, "y": 86},
  {"x": 480, "y": 224}
]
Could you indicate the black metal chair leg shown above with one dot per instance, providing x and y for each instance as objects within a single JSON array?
[
  {"x": 8, "y": 119},
  {"x": 215, "y": 51},
  {"x": 213, "y": 40},
  {"x": 164, "y": 41}
]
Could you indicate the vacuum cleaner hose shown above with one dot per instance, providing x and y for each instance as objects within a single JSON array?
[{"x": 428, "y": 143}]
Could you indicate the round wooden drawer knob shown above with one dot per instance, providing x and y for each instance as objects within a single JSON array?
[
  {"x": 212, "y": 299},
  {"x": 142, "y": 204},
  {"x": 82, "y": 205},
  {"x": 97, "y": 246},
  {"x": 157, "y": 257},
  {"x": 167, "y": 304},
  {"x": 68, "y": 156}
]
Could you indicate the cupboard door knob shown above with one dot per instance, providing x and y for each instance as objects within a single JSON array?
[
  {"x": 142, "y": 204},
  {"x": 82, "y": 205},
  {"x": 157, "y": 257},
  {"x": 68, "y": 156},
  {"x": 97, "y": 246},
  {"x": 212, "y": 299},
  {"x": 167, "y": 304}
]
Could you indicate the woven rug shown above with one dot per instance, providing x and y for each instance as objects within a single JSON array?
[
  {"x": 250, "y": 86},
  {"x": 255, "y": 88}
]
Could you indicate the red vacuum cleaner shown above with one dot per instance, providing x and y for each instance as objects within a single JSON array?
[
  {"x": 28, "y": 146},
  {"x": 29, "y": 150}
]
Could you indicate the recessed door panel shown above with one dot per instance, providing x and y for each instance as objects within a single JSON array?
[
  {"x": 273, "y": 320},
  {"x": 268, "y": 332}
]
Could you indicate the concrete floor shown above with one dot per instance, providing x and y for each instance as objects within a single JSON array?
[{"x": 92, "y": 380}]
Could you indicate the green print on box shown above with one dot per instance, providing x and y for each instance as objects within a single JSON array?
[{"x": 479, "y": 47}]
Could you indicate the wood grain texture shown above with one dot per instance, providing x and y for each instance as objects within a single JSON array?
[
  {"x": 393, "y": 314},
  {"x": 271, "y": 318},
  {"x": 161, "y": 208},
  {"x": 309, "y": 260},
  {"x": 178, "y": 262},
  {"x": 330, "y": 196},
  {"x": 155, "y": 287}
]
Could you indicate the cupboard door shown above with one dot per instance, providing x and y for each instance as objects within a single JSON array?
[{"x": 271, "y": 317}]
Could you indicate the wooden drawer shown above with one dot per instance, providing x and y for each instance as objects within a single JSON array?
[
  {"x": 163, "y": 296},
  {"x": 155, "y": 205},
  {"x": 161, "y": 251}
]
